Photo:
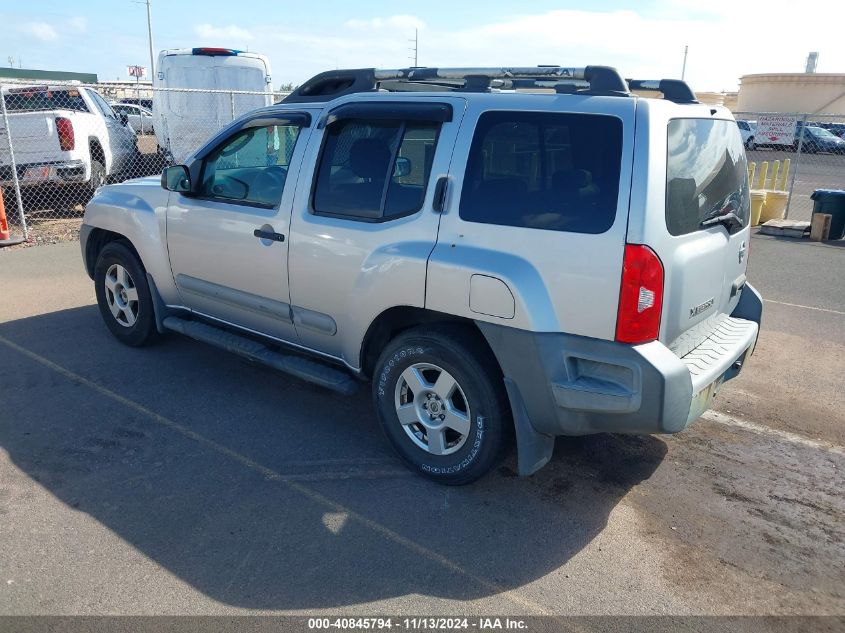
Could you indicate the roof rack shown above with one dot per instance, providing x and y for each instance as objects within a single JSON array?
[
  {"x": 591, "y": 80},
  {"x": 673, "y": 89}
]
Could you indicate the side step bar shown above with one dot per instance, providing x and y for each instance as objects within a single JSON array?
[{"x": 317, "y": 373}]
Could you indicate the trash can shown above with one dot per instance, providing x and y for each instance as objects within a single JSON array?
[
  {"x": 758, "y": 199},
  {"x": 774, "y": 208},
  {"x": 831, "y": 201}
]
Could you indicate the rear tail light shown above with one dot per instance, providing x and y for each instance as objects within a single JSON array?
[
  {"x": 641, "y": 296},
  {"x": 64, "y": 128},
  {"x": 208, "y": 50}
]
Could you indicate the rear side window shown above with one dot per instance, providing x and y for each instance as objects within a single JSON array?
[
  {"x": 22, "y": 100},
  {"x": 706, "y": 174},
  {"x": 544, "y": 170},
  {"x": 374, "y": 169}
]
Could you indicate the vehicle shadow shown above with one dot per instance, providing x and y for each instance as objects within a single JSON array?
[{"x": 337, "y": 522}]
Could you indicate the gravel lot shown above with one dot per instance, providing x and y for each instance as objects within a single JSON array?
[{"x": 178, "y": 479}]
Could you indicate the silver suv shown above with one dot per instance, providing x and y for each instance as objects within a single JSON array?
[{"x": 519, "y": 252}]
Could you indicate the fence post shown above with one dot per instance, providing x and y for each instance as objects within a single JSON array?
[
  {"x": 232, "y": 102},
  {"x": 13, "y": 164},
  {"x": 795, "y": 167}
]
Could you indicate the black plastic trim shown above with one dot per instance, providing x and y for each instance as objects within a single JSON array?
[
  {"x": 390, "y": 111},
  {"x": 332, "y": 84}
]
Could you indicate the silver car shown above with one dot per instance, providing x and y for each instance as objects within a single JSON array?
[
  {"x": 496, "y": 263},
  {"x": 139, "y": 118}
]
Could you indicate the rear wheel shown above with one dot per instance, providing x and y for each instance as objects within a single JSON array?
[
  {"x": 97, "y": 180},
  {"x": 442, "y": 404},
  {"x": 123, "y": 295},
  {"x": 750, "y": 144}
]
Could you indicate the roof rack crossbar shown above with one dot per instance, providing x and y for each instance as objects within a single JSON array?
[
  {"x": 335, "y": 83},
  {"x": 591, "y": 80},
  {"x": 675, "y": 90}
]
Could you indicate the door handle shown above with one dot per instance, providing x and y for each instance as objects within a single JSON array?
[
  {"x": 439, "y": 202},
  {"x": 268, "y": 235}
]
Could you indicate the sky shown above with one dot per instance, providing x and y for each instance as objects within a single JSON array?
[{"x": 644, "y": 40}]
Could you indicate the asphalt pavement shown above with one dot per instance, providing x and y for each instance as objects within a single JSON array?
[{"x": 178, "y": 479}]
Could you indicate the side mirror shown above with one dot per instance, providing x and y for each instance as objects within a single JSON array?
[
  {"x": 403, "y": 167},
  {"x": 176, "y": 178},
  {"x": 124, "y": 118}
]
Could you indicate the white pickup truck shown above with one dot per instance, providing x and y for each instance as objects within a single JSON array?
[{"x": 63, "y": 136}]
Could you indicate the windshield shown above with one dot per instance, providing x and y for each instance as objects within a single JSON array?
[
  {"x": 820, "y": 132},
  {"x": 32, "y": 99}
]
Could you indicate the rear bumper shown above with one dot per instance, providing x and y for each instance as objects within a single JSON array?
[
  {"x": 560, "y": 384},
  {"x": 34, "y": 174}
]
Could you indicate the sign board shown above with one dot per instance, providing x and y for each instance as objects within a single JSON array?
[
  {"x": 138, "y": 72},
  {"x": 775, "y": 129}
]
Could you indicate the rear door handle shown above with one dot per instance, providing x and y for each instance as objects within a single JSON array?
[{"x": 268, "y": 235}]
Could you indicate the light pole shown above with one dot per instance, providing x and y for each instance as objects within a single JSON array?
[
  {"x": 684, "y": 67},
  {"x": 150, "y": 37}
]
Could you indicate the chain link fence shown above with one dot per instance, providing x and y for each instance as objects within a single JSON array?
[
  {"x": 59, "y": 142},
  {"x": 814, "y": 159}
]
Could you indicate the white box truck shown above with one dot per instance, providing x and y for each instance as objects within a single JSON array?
[{"x": 198, "y": 91}]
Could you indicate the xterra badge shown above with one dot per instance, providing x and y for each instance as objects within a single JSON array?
[{"x": 701, "y": 307}]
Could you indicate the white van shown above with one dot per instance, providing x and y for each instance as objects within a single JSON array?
[{"x": 184, "y": 120}]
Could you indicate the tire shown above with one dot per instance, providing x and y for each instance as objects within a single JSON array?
[
  {"x": 98, "y": 179},
  {"x": 124, "y": 300},
  {"x": 474, "y": 426},
  {"x": 750, "y": 145}
]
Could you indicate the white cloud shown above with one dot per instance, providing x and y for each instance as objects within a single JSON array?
[
  {"x": 396, "y": 22},
  {"x": 39, "y": 30},
  {"x": 726, "y": 40},
  {"x": 230, "y": 32},
  {"x": 78, "y": 24}
]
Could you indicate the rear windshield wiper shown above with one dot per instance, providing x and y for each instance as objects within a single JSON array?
[{"x": 728, "y": 219}]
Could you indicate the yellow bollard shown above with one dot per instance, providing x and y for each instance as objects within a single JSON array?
[
  {"x": 758, "y": 200},
  {"x": 752, "y": 167},
  {"x": 775, "y": 170},
  {"x": 782, "y": 185},
  {"x": 764, "y": 172}
]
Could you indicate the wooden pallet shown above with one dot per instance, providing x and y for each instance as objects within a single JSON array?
[{"x": 786, "y": 228}]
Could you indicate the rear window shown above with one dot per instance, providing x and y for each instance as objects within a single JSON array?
[
  {"x": 22, "y": 100},
  {"x": 706, "y": 174},
  {"x": 544, "y": 170}
]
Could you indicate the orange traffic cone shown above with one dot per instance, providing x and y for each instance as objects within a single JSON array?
[{"x": 5, "y": 237}]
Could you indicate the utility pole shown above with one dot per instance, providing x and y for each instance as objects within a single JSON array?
[
  {"x": 416, "y": 47},
  {"x": 150, "y": 36},
  {"x": 684, "y": 67}
]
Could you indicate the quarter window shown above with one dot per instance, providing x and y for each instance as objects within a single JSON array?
[
  {"x": 543, "y": 170},
  {"x": 374, "y": 169},
  {"x": 251, "y": 167}
]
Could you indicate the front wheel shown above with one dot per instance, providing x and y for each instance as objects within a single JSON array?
[
  {"x": 123, "y": 295},
  {"x": 441, "y": 402},
  {"x": 750, "y": 145}
]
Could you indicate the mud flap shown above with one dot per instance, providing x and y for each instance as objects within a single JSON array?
[{"x": 533, "y": 449}]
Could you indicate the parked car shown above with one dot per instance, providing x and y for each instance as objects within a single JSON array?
[
  {"x": 837, "y": 129},
  {"x": 64, "y": 136},
  {"x": 216, "y": 79},
  {"x": 747, "y": 130},
  {"x": 495, "y": 263},
  {"x": 140, "y": 119},
  {"x": 817, "y": 140},
  {"x": 144, "y": 103}
]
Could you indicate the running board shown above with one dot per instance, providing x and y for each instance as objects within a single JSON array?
[{"x": 314, "y": 372}]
